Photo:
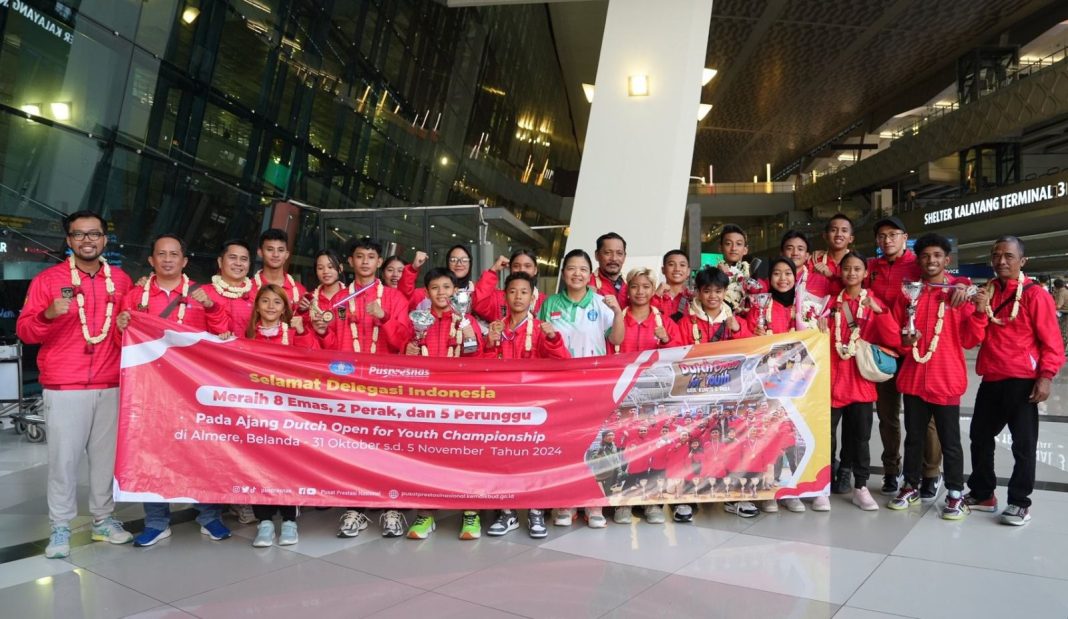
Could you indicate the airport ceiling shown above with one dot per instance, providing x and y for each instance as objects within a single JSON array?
[{"x": 795, "y": 73}]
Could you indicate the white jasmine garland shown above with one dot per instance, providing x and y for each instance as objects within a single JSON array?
[{"x": 109, "y": 286}]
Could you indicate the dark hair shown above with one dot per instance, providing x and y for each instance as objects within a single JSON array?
[
  {"x": 854, "y": 254},
  {"x": 274, "y": 234},
  {"x": 794, "y": 234},
  {"x": 841, "y": 216},
  {"x": 168, "y": 235},
  {"x": 335, "y": 261},
  {"x": 365, "y": 242},
  {"x": 577, "y": 253},
  {"x": 1058, "y": 283},
  {"x": 239, "y": 242},
  {"x": 784, "y": 260},
  {"x": 608, "y": 237},
  {"x": 732, "y": 229},
  {"x": 711, "y": 276},
  {"x": 391, "y": 260},
  {"x": 932, "y": 240},
  {"x": 674, "y": 252},
  {"x": 287, "y": 311},
  {"x": 529, "y": 253},
  {"x": 69, "y": 219},
  {"x": 1008, "y": 238},
  {"x": 517, "y": 276},
  {"x": 438, "y": 273},
  {"x": 466, "y": 279}
]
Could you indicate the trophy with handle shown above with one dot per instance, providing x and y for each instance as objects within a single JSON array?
[
  {"x": 460, "y": 302},
  {"x": 422, "y": 320},
  {"x": 912, "y": 292},
  {"x": 761, "y": 301}
]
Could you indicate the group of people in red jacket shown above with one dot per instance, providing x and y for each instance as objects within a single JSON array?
[{"x": 76, "y": 311}]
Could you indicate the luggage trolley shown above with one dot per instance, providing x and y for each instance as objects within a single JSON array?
[{"x": 25, "y": 413}]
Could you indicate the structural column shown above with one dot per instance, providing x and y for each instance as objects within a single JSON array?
[{"x": 638, "y": 150}]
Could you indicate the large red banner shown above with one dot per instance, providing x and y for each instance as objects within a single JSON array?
[{"x": 238, "y": 421}]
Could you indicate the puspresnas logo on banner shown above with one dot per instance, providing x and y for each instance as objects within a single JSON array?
[{"x": 387, "y": 372}]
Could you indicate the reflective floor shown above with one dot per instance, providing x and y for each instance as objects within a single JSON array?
[{"x": 846, "y": 564}]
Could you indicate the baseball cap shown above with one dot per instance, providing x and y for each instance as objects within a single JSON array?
[{"x": 891, "y": 221}]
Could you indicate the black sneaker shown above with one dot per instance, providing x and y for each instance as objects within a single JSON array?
[
  {"x": 929, "y": 488},
  {"x": 843, "y": 482},
  {"x": 890, "y": 485}
]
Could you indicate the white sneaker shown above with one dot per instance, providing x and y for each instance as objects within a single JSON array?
[
  {"x": 623, "y": 515},
  {"x": 654, "y": 514},
  {"x": 111, "y": 530},
  {"x": 744, "y": 509},
  {"x": 794, "y": 505},
  {"x": 351, "y": 523},
  {"x": 563, "y": 516},
  {"x": 264, "y": 535},
  {"x": 769, "y": 507},
  {"x": 244, "y": 513},
  {"x": 821, "y": 504},
  {"x": 595, "y": 518},
  {"x": 862, "y": 498},
  {"x": 507, "y": 520},
  {"x": 288, "y": 536},
  {"x": 58, "y": 543},
  {"x": 393, "y": 523}
]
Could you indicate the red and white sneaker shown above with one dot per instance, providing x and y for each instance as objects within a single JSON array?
[{"x": 987, "y": 505}]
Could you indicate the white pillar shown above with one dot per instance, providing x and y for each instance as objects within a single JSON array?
[{"x": 638, "y": 151}]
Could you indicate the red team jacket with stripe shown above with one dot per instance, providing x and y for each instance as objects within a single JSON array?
[
  {"x": 1028, "y": 347},
  {"x": 847, "y": 385},
  {"x": 641, "y": 335}
]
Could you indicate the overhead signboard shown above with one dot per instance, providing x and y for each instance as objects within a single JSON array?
[{"x": 1041, "y": 195}]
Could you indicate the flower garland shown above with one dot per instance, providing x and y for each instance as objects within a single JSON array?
[
  {"x": 725, "y": 314},
  {"x": 528, "y": 343},
  {"x": 231, "y": 292},
  {"x": 270, "y": 331},
  {"x": 656, "y": 318},
  {"x": 109, "y": 286},
  {"x": 768, "y": 330},
  {"x": 454, "y": 334},
  {"x": 1015, "y": 302},
  {"x": 934, "y": 340},
  {"x": 289, "y": 280},
  {"x": 735, "y": 295},
  {"x": 182, "y": 304},
  {"x": 849, "y": 351},
  {"x": 353, "y": 326}
]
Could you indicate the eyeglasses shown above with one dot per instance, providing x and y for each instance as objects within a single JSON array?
[
  {"x": 888, "y": 236},
  {"x": 92, "y": 235},
  {"x": 459, "y": 260}
]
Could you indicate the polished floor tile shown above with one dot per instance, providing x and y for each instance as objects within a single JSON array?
[
  {"x": 545, "y": 583},
  {"x": 847, "y": 612},
  {"x": 790, "y": 568},
  {"x": 24, "y": 570},
  {"x": 317, "y": 531},
  {"x": 429, "y": 563},
  {"x": 22, "y": 528},
  {"x": 681, "y": 597},
  {"x": 327, "y": 589},
  {"x": 1037, "y": 550},
  {"x": 665, "y": 547},
  {"x": 78, "y": 593},
  {"x": 161, "y": 612},
  {"x": 916, "y": 588},
  {"x": 436, "y": 606},
  {"x": 186, "y": 564},
  {"x": 845, "y": 527}
]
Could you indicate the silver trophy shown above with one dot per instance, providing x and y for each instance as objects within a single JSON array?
[
  {"x": 912, "y": 292},
  {"x": 460, "y": 302},
  {"x": 761, "y": 301},
  {"x": 422, "y": 320}
]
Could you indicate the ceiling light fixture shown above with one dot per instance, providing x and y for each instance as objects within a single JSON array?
[
  {"x": 33, "y": 109},
  {"x": 588, "y": 90},
  {"x": 61, "y": 110},
  {"x": 638, "y": 85},
  {"x": 707, "y": 75},
  {"x": 190, "y": 15},
  {"x": 702, "y": 110}
]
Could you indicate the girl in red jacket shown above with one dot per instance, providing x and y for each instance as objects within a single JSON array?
[
  {"x": 273, "y": 321},
  {"x": 647, "y": 328},
  {"x": 857, "y": 315},
  {"x": 780, "y": 314},
  {"x": 709, "y": 319}
]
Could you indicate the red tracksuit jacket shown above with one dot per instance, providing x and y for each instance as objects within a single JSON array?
[
  {"x": 437, "y": 340},
  {"x": 943, "y": 379},
  {"x": 671, "y": 305},
  {"x": 65, "y": 360},
  {"x": 513, "y": 346},
  {"x": 641, "y": 335},
  {"x": 394, "y": 330},
  {"x": 294, "y": 291},
  {"x": 818, "y": 284},
  {"x": 847, "y": 385},
  {"x": 303, "y": 340},
  {"x": 488, "y": 302},
  {"x": 214, "y": 320},
  {"x": 1028, "y": 347},
  {"x": 782, "y": 318},
  {"x": 606, "y": 288},
  {"x": 238, "y": 311},
  {"x": 885, "y": 277},
  {"x": 711, "y": 332}
]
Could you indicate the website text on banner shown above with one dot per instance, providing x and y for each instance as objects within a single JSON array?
[{"x": 203, "y": 420}]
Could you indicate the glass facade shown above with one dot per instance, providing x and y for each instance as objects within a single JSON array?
[{"x": 192, "y": 116}]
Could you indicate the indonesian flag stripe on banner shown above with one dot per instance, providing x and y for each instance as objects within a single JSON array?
[{"x": 239, "y": 421}]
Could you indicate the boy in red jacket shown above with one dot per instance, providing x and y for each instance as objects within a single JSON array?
[
  {"x": 274, "y": 251},
  {"x": 520, "y": 335},
  {"x": 933, "y": 375},
  {"x": 70, "y": 311},
  {"x": 1019, "y": 358}
]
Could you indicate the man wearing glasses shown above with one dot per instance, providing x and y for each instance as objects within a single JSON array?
[{"x": 70, "y": 311}]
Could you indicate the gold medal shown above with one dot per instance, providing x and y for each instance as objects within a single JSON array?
[{"x": 327, "y": 316}]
